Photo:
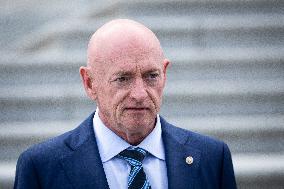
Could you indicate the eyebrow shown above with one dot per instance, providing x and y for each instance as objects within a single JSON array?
[
  {"x": 152, "y": 70},
  {"x": 119, "y": 73},
  {"x": 129, "y": 73}
]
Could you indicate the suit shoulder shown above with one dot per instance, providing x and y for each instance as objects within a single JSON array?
[
  {"x": 50, "y": 148},
  {"x": 198, "y": 140},
  {"x": 61, "y": 145}
]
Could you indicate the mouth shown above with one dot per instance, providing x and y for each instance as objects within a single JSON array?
[{"x": 137, "y": 109}]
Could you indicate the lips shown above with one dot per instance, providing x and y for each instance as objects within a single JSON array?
[{"x": 136, "y": 108}]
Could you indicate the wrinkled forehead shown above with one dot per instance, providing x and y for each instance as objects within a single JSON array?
[
  {"x": 132, "y": 53},
  {"x": 128, "y": 57},
  {"x": 131, "y": 64}
]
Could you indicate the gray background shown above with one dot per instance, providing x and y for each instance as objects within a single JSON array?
[{"x": 225, "y": 80}]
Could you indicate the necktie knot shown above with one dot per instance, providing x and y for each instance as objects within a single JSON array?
[{"x": 134, "y": 156}]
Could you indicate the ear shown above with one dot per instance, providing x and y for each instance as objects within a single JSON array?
[
  {"x": 166, "y": 63},
  {"x": 88, "y": 82}
]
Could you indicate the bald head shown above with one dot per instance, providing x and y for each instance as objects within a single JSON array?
[{"x": 119, "y": 39}]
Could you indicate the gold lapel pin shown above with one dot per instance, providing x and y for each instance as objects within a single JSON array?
[{"x": 189, "y": 160}]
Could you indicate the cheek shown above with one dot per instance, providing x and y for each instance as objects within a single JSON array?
[
  {"x": 156, "y": 97},
  {"x": 106, "y": 100},
  {"x": 118, "y": 99}
]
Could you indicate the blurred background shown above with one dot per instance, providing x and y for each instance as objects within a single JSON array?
[{"x": 226, "y": 79}]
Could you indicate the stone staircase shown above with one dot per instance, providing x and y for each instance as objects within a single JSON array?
[{"x": 226, "y": 79}]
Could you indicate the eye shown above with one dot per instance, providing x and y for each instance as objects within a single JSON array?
[
  {"x": 152, "y": 76},
  {"x": 122, "y": 79}
]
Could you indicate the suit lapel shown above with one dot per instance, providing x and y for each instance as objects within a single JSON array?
[
  {"x": 177, "y": 149},
  {"x": 82, "y": 164}
]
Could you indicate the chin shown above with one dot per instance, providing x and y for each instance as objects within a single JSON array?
[
  {"x": 137, "y": 124},
  {"x": 138, "y": 119}
]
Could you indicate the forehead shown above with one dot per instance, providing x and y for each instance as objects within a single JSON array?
[{"x": 133, "y": 64}]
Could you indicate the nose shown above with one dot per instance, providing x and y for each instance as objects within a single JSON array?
[{"x": 138, "y": 90}]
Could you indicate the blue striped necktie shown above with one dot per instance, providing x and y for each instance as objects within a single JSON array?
[{"x": 137, "y": 178}]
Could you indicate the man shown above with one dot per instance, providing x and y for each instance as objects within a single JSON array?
[{"x": 125, "y": 143}]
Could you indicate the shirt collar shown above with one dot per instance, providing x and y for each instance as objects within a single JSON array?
[
  {"x": 110, "y": 144},
  {"x": 153, "y": 143}
]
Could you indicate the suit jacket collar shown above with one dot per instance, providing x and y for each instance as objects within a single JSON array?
[
  {"x": 178, "y": 146},
  {"x": 83, "y": 165},
  {"x": 84, "y": 168}
]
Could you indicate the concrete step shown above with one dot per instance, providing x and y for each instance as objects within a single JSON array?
[
  {"x": 259, "y": 30},
  {"x": 263, "y": 30},
  {"x": 244, "y": 134},
  {"x": 179, "y": 8},
  {"x": 226, "y": 63},
  {"x": 50, "y": 67},
  {"x": 19, "y": 17},
  {"x": 18, "y": 136},
  {"x": 253, "y": 171},
  {"x": 259, "y": 171}
]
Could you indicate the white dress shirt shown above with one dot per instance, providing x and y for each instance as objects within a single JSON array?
[{"x": 117, "y": 169}]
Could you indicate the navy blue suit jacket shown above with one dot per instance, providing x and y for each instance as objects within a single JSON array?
[{"x": 72, "y": 161}]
